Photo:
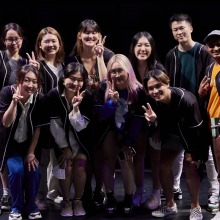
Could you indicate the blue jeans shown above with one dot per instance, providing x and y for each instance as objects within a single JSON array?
[{"x": 23, "y": 185}]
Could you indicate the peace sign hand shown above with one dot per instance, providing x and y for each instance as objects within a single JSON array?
[
  {"x": 17, "y": 95},
  {"x": 77, "y": 99},
  {"x": 99, "y": 47},
  {"x": 113, "y": 95},
  {"x": 204, "y": 86},
  {"x": 32, "y": 60},
  {"x": 149, "y": 113}
]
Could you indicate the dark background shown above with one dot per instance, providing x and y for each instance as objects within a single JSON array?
[{"x": 118, "y": 21}]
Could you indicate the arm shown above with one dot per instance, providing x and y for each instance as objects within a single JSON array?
[
  {"x": 10, "y": 114},
  {"x": 77, "y": 120},
  {"x": 99, "y": 48}
]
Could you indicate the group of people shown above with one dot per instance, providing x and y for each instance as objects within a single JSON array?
[{"x": 85, "y": 112}]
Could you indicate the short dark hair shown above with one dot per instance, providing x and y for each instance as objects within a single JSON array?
[{"x": 180, "y": 17}]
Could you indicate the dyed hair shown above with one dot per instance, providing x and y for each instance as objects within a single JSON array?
[
  {"x": 82, "y": 28},
  {"x": 23, "y": 70},
  {"x": 180, "y": 17},
  {"x": 71, "y": 69},
  {"x": 158, "y": 75},
  {"x": 60, "y": 55},
  {"x": 132, "y": 85}
]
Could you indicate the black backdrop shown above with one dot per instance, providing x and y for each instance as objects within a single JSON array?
[{"x": 118, "y": 21}]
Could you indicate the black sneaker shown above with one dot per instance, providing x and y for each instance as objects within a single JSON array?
[
  {"x": 6, "y": 202},
  {"x": 111, "y": 204},
  {"x": 127, "y": 205},
  {"x": 98, "y": 199},
  {"x": 177, "y": 194}
]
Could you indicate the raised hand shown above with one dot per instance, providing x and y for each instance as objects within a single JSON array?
[
  {"x": 149, "y": 113},
  {"x": 113, "y": 95},
  {"x": 17, "y": 95},
  {"x": 32, "y": 60},
  {"x": 204, "y": 86},
  {"x": 99, "y": 47},
  {"x": 77, "y": 99}
]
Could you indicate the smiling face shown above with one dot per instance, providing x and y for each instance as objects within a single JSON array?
[
  {"x": 158, "y": 91},
  {"x": 89, "y": 37},
  {"x": 73, "y": 83},
  {"x": 119, "y": 76},
  {"x": 213, "y": 47},
  {"x": 142, "y": 49},
  {"x": 181, "y": 31},
  {"x": 29, "y": 85},
  {"x": 49, "y": 44}
]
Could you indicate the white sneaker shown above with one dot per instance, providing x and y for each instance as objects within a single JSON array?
[
  {"x": 66, "y": 208},
  {"x": 139, "y": 198},
  {"x": 78, "y": 209},
  {"x": 196, "y": 214},
  {"x": 153, "y": 202},
  {"x": 165, "y": 211},
  {"x": 54, "y": 196},
  {"x": 35, "y": 215},
  {"x": 217, "y": 216},
  {"x": 14, "y": 216},
  {"x": 213, "y": 203}
]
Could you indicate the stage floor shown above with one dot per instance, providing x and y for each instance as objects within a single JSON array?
[{"x": 183, "y": 205}]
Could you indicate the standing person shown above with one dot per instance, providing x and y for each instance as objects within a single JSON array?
[
  {"x": 143, "y": 57},
  {"x": 90, "y": 51},
  {"x": 49, "y": 52},
  {"x": 210, "y": 93},
  {"x": 120, "y": 98},
  {"x": 186, "y": 64},
  {"x": 178, "y": 117},
  {"x": 71, "y": 107},
  {"x": 22, "y": 115},
  {"x": 12, "y": 37}
]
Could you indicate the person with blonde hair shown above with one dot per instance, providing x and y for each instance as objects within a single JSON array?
[{"x": 120, "y": 98}]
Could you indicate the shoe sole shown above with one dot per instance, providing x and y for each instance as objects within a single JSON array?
[
  {"x": 66, "y": 215},
  {"x": 6, "y": 208}
]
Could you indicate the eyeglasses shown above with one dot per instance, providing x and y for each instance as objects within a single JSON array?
[
  {"x": 11, "y": 40},
  {"x": 115, "y": 71}
]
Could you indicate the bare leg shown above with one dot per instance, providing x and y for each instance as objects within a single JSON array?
[
  {"x": 79, "y": 174},
  {"x": 166, "y": 175},
  {"x": 193, "y": 182}
]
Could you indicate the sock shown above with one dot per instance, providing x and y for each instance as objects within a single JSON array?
[{"x": 6, "y": 192}]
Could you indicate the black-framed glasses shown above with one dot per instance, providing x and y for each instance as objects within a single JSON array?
[
  {"x": 13, "y": 39},
  {"x": 115, "y": 71}
]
